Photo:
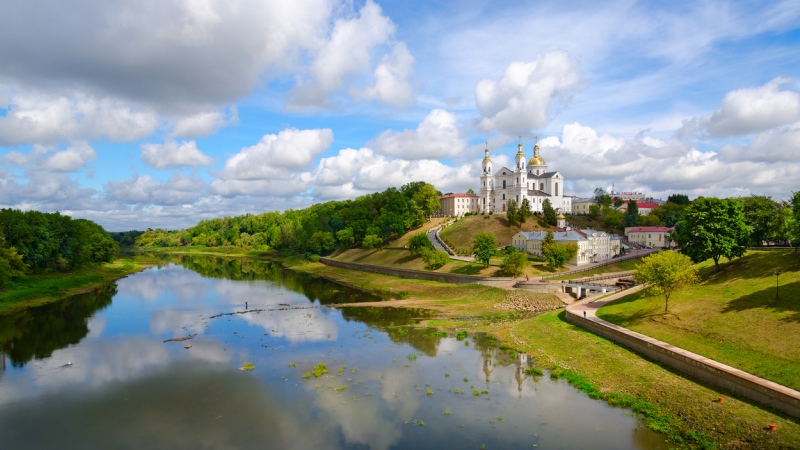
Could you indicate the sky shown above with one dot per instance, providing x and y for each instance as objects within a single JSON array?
[{"x": 161, "y": 113}]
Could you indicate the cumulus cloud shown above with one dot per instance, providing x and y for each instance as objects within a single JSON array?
[
  {"x": 752, "y": 110},
  {"x": 172, "y": 154},
  {"x": 349, "y": 52},
  {"x": 436, "y": 137},
  {"x": 203, "y": 123},
  {"x": 291, "y": 149},
  {"x": 144, "y": 190},
  {"x": 34, "y": 117},
  {"x": 391, "y": 75},
  {"x": 527, "y": 93},
  {"x": 777, "y": 145},
  {"x": 73, "y": 158}
]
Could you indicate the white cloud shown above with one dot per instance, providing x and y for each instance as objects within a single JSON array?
[
  {"x": 391, "y": 85},
  {"x": 203, "y": 123},
  {"x": 753, "y": 110},
  {"x": 144, "y": 190},
  {"x": 171, "y": 154},
  {"x": 73, "y": 158},
  {"x": 773, "y": 146},
  {"x": 34, "y": 117},
  {"x": 290, "y": 149},
  {"x": 526, "y": 93},
  {"x": 348, "y": 52},
  {"x": 436, "y": 137}
]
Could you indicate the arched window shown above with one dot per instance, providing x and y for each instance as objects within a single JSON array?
[
  {"x": 556, "y": 187},
  {"x": 504, "y": 196},
  {"x": 541, "y": 186},
  {"x": 504, "y": 184}
]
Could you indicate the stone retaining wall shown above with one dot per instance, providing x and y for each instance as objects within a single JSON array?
[
  {"x": 750, "y": 386},
  {"x": 413, "y": 274}
]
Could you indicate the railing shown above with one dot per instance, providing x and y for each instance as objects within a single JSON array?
[{"x": 608, "y": 262}]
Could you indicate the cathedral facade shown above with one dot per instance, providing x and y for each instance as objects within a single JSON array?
[{"x": 529, "y": 181}]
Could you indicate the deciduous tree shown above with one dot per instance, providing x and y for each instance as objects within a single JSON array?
[
  {"x": 514, "y": 262},
  {"x": 418, "y": 243},
  {"x": 713, "y": 228},
  {"x": 666, "y": 272},
  {"x": 484, "y": 246},
  {"x": 549, "y": 213}
]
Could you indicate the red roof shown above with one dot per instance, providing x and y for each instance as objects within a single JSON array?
[
  {"x": 458, "y": 196},
  {"x": 647, "y": 205},
  {"x": 651, "y": 229}
]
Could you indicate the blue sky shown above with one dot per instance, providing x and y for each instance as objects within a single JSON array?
[{"x": 160, "y": 113}]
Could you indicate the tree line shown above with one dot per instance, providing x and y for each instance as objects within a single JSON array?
[
  {"x": 370, "y": 220},
  {"x": 33, "y": 241}
]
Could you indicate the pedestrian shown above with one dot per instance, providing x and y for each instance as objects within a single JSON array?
[{"x": 584, "y": 313}]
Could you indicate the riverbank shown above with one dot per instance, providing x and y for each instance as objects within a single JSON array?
[
  {"x": 688, "y": 413},
  {"x": 39, "y": 289}
]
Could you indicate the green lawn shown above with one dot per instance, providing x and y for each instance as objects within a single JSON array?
[
  {"x": 611, "y": 268},
  {"x": 731, "y": 316}
]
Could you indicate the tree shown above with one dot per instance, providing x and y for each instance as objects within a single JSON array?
[
  {"x": 669, "y": 213},
  {"x": 760, "y": 214},
  {"x": 549, "y": 213},
  {"x": 419, "y": 243},
  {"x": 345, "y": 237},
  {"x": 632, "y": 214},
  {"x": 512, "y": 213},
  {"x": 796, "y": 217},
  {"x": 618, "y": 202},
  {"x": 601, "y": 197},
  {"x": 434, "y": 259},
  {"x": 11, "y": 264},
  {"x": 666, "y": 272},
  {"x": 484, "y": 246},
  {"x": 678, "y": 199},
  {"x": 594, "y": 211},
  {"x": 427, "y": 199},
  {"x": 470, "y": 191},
  {"x": 514, "y": 262},
  {"x": 557, "y": 255},
  {"x": 321, "y": 242},
  {"x": 372, "y": 241},
  {"x": 713, "y": 228},
  {"x": 525, "y": 212}
]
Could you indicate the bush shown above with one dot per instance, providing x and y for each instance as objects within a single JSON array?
[
  {"x": 435, "y": 259},
  {"x": 418, "y": 243},
  {"x": 313, "y": 258}
]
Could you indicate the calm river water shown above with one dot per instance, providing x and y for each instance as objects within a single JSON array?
[{"x": 94, "y": 371}]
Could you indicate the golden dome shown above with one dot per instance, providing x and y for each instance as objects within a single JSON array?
[
  {"x": 486, "y": 158},
  {"x": 519, "y": 150},
  {"x": 536, "y": 160},
  {"x": 560, "y": 216}
]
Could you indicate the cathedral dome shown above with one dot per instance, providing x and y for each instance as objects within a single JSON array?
[{"x": 536, "y": 160}]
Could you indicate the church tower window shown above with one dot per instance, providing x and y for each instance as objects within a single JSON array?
[{"x": 556, "y": 188}]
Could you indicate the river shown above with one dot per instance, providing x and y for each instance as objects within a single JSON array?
[{"x": 101, "y": 370}]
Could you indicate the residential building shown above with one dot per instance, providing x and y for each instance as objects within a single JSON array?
[
  {"x": 456, "y": 205},
  {"x": 655, "y": 237}
]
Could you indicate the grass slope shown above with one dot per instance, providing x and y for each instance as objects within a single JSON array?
[
  {"x": 731, "y": 316},
  {"x": 461, "y": 232},
  {"x": 34, "y": 290}
]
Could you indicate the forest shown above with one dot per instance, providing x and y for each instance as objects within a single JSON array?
[
  {"x": 369, "y": 220},
  {"x": 37, "y": 242}
]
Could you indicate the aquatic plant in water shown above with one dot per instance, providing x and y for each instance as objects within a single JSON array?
[{"x": 247, "y": 366}]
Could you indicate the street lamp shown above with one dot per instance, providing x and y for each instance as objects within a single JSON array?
[{"x": 777, "y": 272}]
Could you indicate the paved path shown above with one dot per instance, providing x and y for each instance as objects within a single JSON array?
[
  {"x": 438, "y": 246},
  {"x": 590, "y": 306}
]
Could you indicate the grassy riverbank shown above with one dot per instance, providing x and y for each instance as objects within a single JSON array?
[
  {"x": 34, "y": 290},
  {"x": 731, "y": 316},
  {"x": 684, "y": 410}
]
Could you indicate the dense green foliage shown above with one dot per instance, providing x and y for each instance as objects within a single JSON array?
[
  {"x": 484, "y": 245},
  {"x": 632, "y": 214},
  {"x": 678, "y": 199},
  {"x": 666, "y": 272},
  {"x": 41, "y": 242},
  {"x": 418, "y": 243},
  {"x": 713, "y": 228},
  {"x": 549, "y": 213},
  {"x": 125, "y": 238},
  {"x": 514, "y": 262},
  {"x": 317, "y": 229},
  {"x": 557, "y": 254},
  {"x": 434, "y": 259},
  {"x": 767, "y": 219}
]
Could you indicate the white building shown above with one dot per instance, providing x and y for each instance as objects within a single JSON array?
[
  {"x": 529, "y": 181},
  {"x": 593, "y": 245},
  {"x": 581, "y": 205},
  {"x": 655, "y": 237},
  {"x": 456, "y": 205}
]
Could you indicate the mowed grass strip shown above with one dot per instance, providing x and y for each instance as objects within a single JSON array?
[
  {"x": 38, "y": 289},
  {"x": 731, "y": 316}
]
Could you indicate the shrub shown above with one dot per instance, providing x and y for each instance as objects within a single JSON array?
[{"x": 313, "y": 258}]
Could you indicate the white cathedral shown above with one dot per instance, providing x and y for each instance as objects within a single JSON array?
[{"x": 533, "y": 182}]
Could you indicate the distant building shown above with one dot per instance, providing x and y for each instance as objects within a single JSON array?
[
  {"x": 645, "y": 207},
  {"x": 456, "y": 205},
  {"x": 638, "y": 196},
  {"x": 655, "y": 237},
  {"x": 581, "y": 205},
  {"x": 593, "y": 245},
  {"x": 532, "y": 182}
]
